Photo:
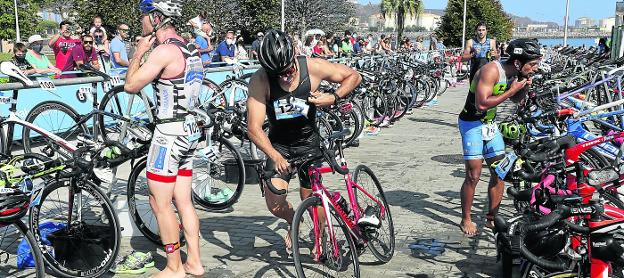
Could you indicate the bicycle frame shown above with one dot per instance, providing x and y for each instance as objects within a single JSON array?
[{"x": 319, "y": 190}]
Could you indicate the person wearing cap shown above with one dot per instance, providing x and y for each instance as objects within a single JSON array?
[
  {"x": 39, "y": 61},
  {"x": 255, "y": 46}
]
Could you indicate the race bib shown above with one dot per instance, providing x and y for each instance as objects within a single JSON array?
[
  {"x": 192, "y": 130},
  {"x": 488, "y": 131},
  {"x": 506, "y": 164},
  {"x": 289, "y": 108},
  {"x": 46, "y": 83}
]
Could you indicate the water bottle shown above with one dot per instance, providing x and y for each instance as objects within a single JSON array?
[
  {"x": 341, "y": 202},
  {"x": 26, "y": 185}
]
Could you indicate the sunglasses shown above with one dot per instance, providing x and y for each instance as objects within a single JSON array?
[
  {"x": 125, "y": 30},
  {"x": 289, "y": 71},
  {"x": 87, "y": 42},
  {"x": 99, "y": 37}
]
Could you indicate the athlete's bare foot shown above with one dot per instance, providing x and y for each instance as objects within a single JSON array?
[
  {"x": 171, "y": 273},
  {"x": 469, "y": 228},
  {"x": 194, "y": 268}
]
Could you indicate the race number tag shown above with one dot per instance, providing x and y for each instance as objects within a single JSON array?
[
  {"x": 46, "y": 83},
  {"x": 488, "y": 131},
  {"x": 192, "y": 130},
  {"x": 506, "y": 164},
  {"x": 84, "y": 93},
  {"x": 115, "y": 80},
  {"x": 288, "y": 108}
]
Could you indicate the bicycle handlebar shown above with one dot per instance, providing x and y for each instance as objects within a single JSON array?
[{"x": 560, "y": 213}]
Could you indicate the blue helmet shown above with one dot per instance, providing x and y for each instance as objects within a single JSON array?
[{"x": 170, "y": 8}]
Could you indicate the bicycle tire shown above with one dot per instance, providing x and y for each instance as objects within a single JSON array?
[
  {"x": 10, "y": 268},
  {"x": 109, "y": 245},
  {"x": 375, "y": 108},
  {"x": 143, "y": 130},
  {"x": 382, "y": 255},
  {"x": 240, "y": 174},
  {"x": 29, "y": 140},
  {"x": 137, "y": 216},
  {"x": 239, "y": 95},
  {"x": 304, "y": 209}
]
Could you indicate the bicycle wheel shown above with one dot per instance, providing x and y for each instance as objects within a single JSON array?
[
  {"x": 20, "y": 255},
  {"x": 218, "y": 183},
  {"x": 57, "y": 118},
  {"x": 130, "y": 106},
  {"x": 234, "y": 91},
  {"x": 137, "y": 194},
  {"x": 210, "y": 95},
  {"x": 381, "y": 241},
  {"x": 375, "y": 108},
  {"x": 79, "y": 242},
  {"x": 344, "y": 263}
]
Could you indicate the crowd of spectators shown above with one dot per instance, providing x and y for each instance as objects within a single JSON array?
[{"x": 73, "y": 47}]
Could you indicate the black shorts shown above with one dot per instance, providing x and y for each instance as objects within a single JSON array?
[{"x": 292, "y": 152}]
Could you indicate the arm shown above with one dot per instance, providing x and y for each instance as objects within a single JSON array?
[
  {"x": 488, "y": 77},
  {"x": 53, "y": 40},
  {"x": 256, "y": 113},
  {"x": 52, "y": 68},
  {"x": 467, "y": 55},
  {"x": 120, "y": 61},
  {"x": 139, "y": 76}
]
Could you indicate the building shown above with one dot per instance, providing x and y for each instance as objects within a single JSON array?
[
  {"x": 585, "y": 22},
  {"x": 537, "y": 27},
  {"x": 606, "y": 24},
  {"x": 428, "y": 19},
  {"x": 376, "y": 20}
]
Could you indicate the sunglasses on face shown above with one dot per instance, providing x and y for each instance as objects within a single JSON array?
[
  {"x": 99, "y": 37},
  {"x": 125, "y": 30},
  {"x": 87, "y": 42},
  {"x": 289, "y": 71}
]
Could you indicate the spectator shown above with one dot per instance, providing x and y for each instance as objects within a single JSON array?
[
  {"x": 119, "y": 54},
  {"x": 81, "y": 54},
  {"x": 358, "y": 46},
  {"x": 241, "y": 51},
  {"x": 346, "y": 48},
  {"x": 226, "y": 51},
  {"x": 433, "y": 42},
  {"x": 349, "y": 37},
  {"x": 39, "y": 61},
  {"x": 203, "y": 45},
  {"x": 97, "y": 26},
  {"x": 308, "y": 47},
  {"x": 63, "y": 43},
  {"x": 318, "y": 49},
  {"x": 370, "y": 44},
  {"x": 419, "y": 44},
  {"x": 255, "y": 46},
  {"x": 602, "y": 46},
  {"x": 102, "y": 47},
  {"x": 197, "y": 23},
  {"x": 19, "y": 59},
  {"x": 336, "y": 45},
  {"x": 326, "y": 50},
  {"x": 441, "y": 45},
  {"x": 298, "y": 45}
]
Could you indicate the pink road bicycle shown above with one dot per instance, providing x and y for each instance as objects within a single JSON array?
[{"x": 329, "y": 234}]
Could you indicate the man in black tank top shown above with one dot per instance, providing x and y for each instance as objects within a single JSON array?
[
  {"x": 284, "y": 90},
  {"x": 169, "y": 165},
  {"x": 480, "y": 50}
]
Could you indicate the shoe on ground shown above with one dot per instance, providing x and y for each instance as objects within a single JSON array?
[
  {"x": 145, "y": 258},
  {"x": 129, "y": 265}
]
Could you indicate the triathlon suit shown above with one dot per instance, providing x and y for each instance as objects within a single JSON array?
[
  {"x": 480, "y": 135},
  {"x": 291, "y": 122},
  {"x": 176, "y": 134},
  {"x": 481, "y": 58}
]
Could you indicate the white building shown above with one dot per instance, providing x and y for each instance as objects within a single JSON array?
[
  {"x": 584, "y": 22},
  {"x": 428, "y": 20},
  {"x": 537, "y": 27},
  {"x": 606, "y": 24}
]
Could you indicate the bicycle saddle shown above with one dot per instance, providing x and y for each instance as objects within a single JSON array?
[{"x": 12, "y": 70}]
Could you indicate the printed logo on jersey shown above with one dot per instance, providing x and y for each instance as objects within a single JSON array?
[
  {"x": 159, "y": 161},
  {"x": 161, "y": 140},
  {"x": 194, "y": 70}
]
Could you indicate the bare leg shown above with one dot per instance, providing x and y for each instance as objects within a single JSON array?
[
  {"x": 496, "y": 188},
  {"x": 190, "y": 222},
  {"x": 473, "y": 173},
  {"x": 161, "y": 195},
  {"x": 280, "y": 207}
]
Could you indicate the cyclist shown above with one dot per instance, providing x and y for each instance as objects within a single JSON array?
[
  {"x": 285, "y": 90},
  {"x": 493, "y": 83},
  {"x": 175, "y": 71},
  {"x": 479, "y": 50}
]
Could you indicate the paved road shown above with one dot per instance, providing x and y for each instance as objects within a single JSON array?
[{"x": 420, "y": 166}]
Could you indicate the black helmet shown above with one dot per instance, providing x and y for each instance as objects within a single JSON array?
[
  {"x": 277, "y": 53},
  {"x": 13, "y": 204},
  {"x": 524, "y": 50}
]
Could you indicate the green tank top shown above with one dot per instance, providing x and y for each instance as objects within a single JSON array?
[{"x": 470, "y": 111}]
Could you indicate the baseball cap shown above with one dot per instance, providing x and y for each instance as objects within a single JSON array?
[
  {"x": 260, "y": 34},
  {"x": 34, "y": 38}
]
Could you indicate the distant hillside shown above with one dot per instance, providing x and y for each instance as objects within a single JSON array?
[{"x": 524, "y": 21}]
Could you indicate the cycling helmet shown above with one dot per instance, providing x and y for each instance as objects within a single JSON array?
[
  {"x": 524, "y": 49},
  {"x": 13, "y": 204},
  {"x": 277, "y": 53},
  {"x": 170, "y": 8},
  {"x": 512, "y": 130}
]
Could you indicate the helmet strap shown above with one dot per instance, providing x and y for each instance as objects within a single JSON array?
[{"x": 156, "y": 27}]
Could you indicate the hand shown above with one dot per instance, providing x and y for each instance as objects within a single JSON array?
[
  {"x": 281, "y": 165},
  {"x": 530, "y": 81},
  {"x": 516, "y": 85},
  {"x": 145, "y": 44},
  {"x": 322, "y": 99}
]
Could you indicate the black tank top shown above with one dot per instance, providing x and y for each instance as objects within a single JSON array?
[{"x": 291, "y": 117}]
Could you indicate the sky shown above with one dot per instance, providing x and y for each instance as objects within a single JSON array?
[{"x": 542, "y": 10}]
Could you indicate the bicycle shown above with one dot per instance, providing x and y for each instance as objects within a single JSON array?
[{"x": 323, "y": 248}]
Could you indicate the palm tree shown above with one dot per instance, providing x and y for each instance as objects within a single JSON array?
[{"x": 401, "y": 9}]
